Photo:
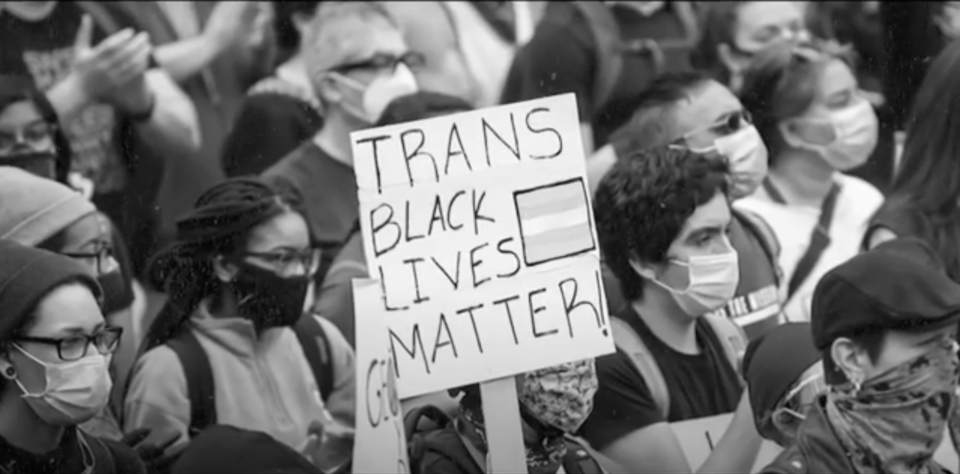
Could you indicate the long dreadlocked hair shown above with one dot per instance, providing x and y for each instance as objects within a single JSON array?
[{"x": 219, "y": 224}]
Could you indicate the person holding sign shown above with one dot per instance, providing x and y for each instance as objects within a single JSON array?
[
  {"x": 785, "y": 376},
  {"x": 886, "y": 324},
  {"x": 233, "y": 345},
  {"x": 358, "y": 63},
  {"x": 663, "y": 219},
  {"x": 692, "y": 111}
]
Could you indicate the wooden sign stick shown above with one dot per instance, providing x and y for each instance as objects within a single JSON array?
[{"x": 501, "y": 415}]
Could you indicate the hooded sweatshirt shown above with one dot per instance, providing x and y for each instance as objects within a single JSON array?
[{"x": 260, "y": 383}]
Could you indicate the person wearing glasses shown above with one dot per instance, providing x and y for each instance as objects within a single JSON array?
[
  {"x": 42, "y": 213},
  {"x": 692, "y": 111},
  {"x": 783, "y": 371},
  {"x": 55, "y": 347},
  {"x": 807, "y": 105},
  {"x": 239, "y": 279},
  {"x": 31, "y": 139},
  {"x": 358, "y": 63}
]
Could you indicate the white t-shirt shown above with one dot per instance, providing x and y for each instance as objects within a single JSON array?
[{"x": 794, "y": 224}]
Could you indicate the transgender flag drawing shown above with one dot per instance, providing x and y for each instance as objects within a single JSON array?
[{"x": 554, "y": 221}]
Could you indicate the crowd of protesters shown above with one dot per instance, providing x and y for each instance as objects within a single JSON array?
[{"x": 775, "y": 190}]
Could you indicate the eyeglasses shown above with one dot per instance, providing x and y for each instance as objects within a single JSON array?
[
  {"x": 290, "y": 262},
  {"x": 102, "y": 256},
  {"x": 74, "y": 348},
  {"x": 383, "y": 62},
  {"x": 37, "y": 135}
]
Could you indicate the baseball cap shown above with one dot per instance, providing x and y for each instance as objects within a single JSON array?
[{"x": 899, "y": 285}]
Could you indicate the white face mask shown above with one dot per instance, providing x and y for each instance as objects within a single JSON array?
[
  {"x": 855, "y": 131},
  {"x": 379, "y": 93},
  {"x": 713, "y": 282},
  {"x": 74, "y": 392},
  {"x": 747, "y": 155}
]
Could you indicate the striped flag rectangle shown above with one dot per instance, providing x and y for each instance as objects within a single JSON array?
[{"x": 554, "y": 221}]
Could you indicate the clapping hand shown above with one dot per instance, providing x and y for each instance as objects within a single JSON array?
[{"x": 113, "y": 70}]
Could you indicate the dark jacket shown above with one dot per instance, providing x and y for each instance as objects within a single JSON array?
[{"x": 817, "y": 448}]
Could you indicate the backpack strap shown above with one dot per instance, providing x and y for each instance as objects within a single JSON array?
[
  {"x": 757, "y": 226},
  {"x": 819, "y": 239},
  {"x": 100, "y": 16},
  {"x": 578, "y": 459},
  {"x": 199, "y": 376},
  {"x": 606, "y": 34},
  {"x": 430, "y": 432},
  {"x": 627, "y": 340},
  {"x": 732, "y": 338},
  {"x": 316, "y": 348}
]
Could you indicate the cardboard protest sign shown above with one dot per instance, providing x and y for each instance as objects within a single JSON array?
[
  {"x": 380, "y": 445},
  {"x": 479, "y": 229},
  {"x": 698, "y": 437}
]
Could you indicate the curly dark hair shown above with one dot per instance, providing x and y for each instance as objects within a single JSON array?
[{"x": 642, "y": 204}]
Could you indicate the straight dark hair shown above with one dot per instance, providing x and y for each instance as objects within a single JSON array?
[{"x": 927, "y": 185}]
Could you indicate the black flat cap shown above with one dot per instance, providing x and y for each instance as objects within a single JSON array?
[{"x": 900, "y": 285}]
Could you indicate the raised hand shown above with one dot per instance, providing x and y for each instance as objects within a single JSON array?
[{"x": 113, "y": 70}]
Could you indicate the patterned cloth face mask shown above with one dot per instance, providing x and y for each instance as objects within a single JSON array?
[
  {"x": 895, "y": 422},
  {"x": 553, "y": 401}
]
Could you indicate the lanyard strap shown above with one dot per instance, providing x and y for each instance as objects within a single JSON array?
[{"x": 819, "y": 239}]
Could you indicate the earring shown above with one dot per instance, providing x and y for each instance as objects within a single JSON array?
[{"x": 10, "y": 372}]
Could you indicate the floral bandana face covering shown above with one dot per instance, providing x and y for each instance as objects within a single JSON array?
[
  {"x": 560, "y": 397},
  {"x": 896, "y": 421}
]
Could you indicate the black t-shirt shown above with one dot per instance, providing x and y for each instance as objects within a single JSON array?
[
  {"x": 699, "y": 385},
  {"x": 562, "y": 58},
  {"x": 328, "y": 192},
  {"x": 69, "y": 459},
  {"x": 267, "y": 128}
]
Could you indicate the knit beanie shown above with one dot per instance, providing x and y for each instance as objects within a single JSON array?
[
  {"x": 33, "y": 209},
  {"x": 27, "y": 275}
]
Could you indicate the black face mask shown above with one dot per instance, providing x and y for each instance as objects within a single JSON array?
[
  {"x": 40, "y": 163},
  {"x": 117, "y": 295},
  {"x": 268, "y": 299}
]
